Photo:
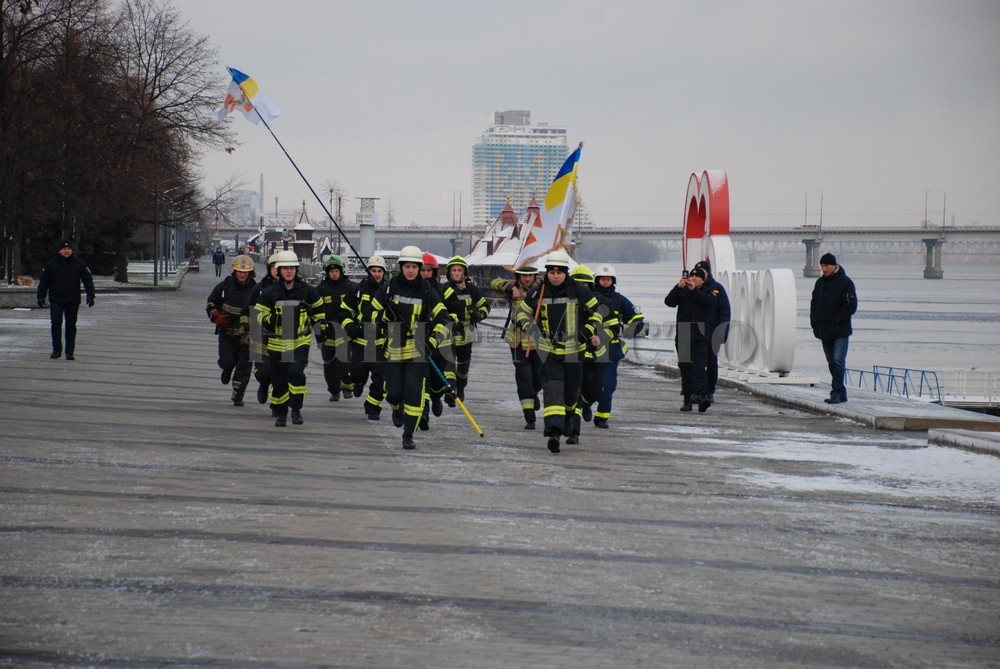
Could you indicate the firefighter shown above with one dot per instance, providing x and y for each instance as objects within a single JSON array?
[
  {"x": 290, "y": 309},
  {"x": 562, "y": 318},
  {"x": 465, "y": 302},
  {"x": 360, "y": 322},
  {"x": 624, "y": 319},
  {"x": 227, "y": 308},
  {"x": 435, "y": 387},
  {"x": 524, "y": 356},
  {"x": 416, "y": 324},
  {"x": 258, "y": 339},
  {"x": 594, "y": 360},
  {"x": 336, "y": 348}
]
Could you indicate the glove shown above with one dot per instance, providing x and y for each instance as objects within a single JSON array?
[
  {"x": 220, "y": 319},
  {"x": 41, "y": 301},
  {"x": 355, "y": 331},
  {"x": 324, "y": 330},
  {"x": 90, "y": 300}
]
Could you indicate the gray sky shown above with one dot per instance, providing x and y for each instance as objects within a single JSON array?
[{"x": 870, "y": 102}]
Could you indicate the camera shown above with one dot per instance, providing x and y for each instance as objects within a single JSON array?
[{"x": 684, "y": 274}]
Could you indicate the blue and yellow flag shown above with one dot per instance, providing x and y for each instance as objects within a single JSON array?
[
  {"x": 551, "y": 230},
  {"x": 244, "y": 94}
]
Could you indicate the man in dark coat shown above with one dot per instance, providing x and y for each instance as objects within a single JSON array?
[
  {"x": 694, "y": 302},
  {"x": 834, "y": 301},
  {"x": 61, "y": 280},
  {"x": 717, "y": 326}
]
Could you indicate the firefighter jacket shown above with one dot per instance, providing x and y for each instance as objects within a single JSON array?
[
  {"x": 512, "y": 334},
  {"x": 624, "y": 319},
  {"x": 467, "y": 307},
  {"x": 359, "y": 318},
  {"x": 289, "y": 314},
  {"x": 416, "y": 319},
  {"x": 232, "y": 298},
  {"x": 333, "y": 293},
  {"x": 568, "y": 317},
  {"x": 258, "y": 336},
  {"x": 61, "y": 278}
]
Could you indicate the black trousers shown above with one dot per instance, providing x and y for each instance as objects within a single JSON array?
[
  {"x": 527, "y": 375},
  {"x": 368, "y": 361},
  {"x": 404, "y": 382},
  {"x": 693, "y": 361},
  {"x": 288, "y": 379},
  {"x": 458, "y": 367},
  {"x": 59, "y": 312},
  {"x": 560, "y": 391},
  {"x": 337, "y": 368},
  {"x": 235, "y": 356}
]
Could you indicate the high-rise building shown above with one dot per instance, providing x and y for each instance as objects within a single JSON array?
[{"x": 513, "y": 160}]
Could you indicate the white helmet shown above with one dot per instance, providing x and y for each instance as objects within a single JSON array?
[
  {"x": 377, "y": 261},
  {"x": 411, "y": 254},
  {"x": 285, "y": 259},
  {"x": 273, "y": 258},
  {"x": 557, "y": 258},
  {"x": 605, "y": 269}
]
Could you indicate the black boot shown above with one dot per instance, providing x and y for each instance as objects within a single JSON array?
[
  {"x": 553, "y": 443},
  {"x": 334, "y": 397},
  {"x": 687, "y": 404},
  {"x": 279, "y": 420},
  {"x": 227, "y": 375},
  {"x": 397, "y": 416},
  {"x": 424, "y": 423},
  {"x": 372, "y": 411},
  {"x": 703, "y": 402},
  {"x": 296, "y": 417},
  {"x": 586, "y": 412},
  {"x": 262, "y": 393},
  {"x": 348, "y": 393},
  {"x": 573, "y": 438},
  {"x": 436, "y": 407},
  {"x": 529, "y": 419},
  {"x": 408, "y": 444},
  {"x": 601, "y": 422}
]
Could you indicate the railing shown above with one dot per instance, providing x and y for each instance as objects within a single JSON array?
[{"x": 911, "y": 383}]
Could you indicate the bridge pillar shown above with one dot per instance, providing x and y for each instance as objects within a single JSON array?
[
  {"x": 811, "y": 268},
  {"x": 932, "y": 268},
  {"x": 456, "y": 245}
]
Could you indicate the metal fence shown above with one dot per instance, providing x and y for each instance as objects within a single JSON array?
[{"x": 911, "y": 383}]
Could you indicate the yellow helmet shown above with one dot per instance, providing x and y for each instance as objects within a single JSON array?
[
  {"x": 582, "y": 273},
  {"x": 243, "y": 264},
  {"x": 457, "y": 260}
]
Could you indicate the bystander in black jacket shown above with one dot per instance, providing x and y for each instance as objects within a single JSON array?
[
  {"x": 834, "y": 301},
  {"x": 60, "y": 280}
]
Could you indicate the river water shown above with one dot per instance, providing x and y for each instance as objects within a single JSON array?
[{"x": 945, "y": 325}]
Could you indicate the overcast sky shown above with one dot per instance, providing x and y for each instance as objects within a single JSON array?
[{"x": 872, "y": 103}]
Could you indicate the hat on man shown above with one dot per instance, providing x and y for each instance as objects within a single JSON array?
[
  {"x": 65, "y": 245},
  {"x": 700, "y": 272},
  {"x": 705, "y": 265},
  {"x": 828, "y": 259}
]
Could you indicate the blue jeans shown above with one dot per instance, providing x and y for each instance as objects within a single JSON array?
[{"x": 836, "y": 358}]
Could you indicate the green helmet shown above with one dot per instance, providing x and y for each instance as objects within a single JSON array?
[
  {"x": 457, "y": 260},
  {"x": 333, "y": 261}
]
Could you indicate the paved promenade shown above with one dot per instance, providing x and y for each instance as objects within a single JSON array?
[{"x": 146, "y": 522}]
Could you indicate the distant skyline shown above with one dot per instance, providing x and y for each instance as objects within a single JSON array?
[{"x": 875, "y": 104}]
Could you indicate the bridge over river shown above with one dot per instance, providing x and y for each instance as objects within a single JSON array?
[{"x": 886, "y": 240}]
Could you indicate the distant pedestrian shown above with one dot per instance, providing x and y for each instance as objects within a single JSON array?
[
  {"x": 716, "y": 327},
  {"x": 693, "y": 302},
  {"x": 834, "y": 301},
  {"x": 218, "y": 259},
  {"x": 60, "y": 281}
]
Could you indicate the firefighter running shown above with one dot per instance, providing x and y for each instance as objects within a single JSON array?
[
  {"x": 227, "y": 309},
  {"x": 524, "y": 356}
]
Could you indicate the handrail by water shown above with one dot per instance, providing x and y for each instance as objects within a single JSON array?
[{"x": 910, "y": 383}]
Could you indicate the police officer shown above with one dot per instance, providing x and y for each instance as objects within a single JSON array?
[
  {"x": 60, "y": 282},
  {"x": 524, "y": 355},
  {"x": 716, "y": 327},
  {"x": 466, "y": 304},
  {"x": 227, "y": 307},
  {"x": 367, "y": 347},
  {"x": 417, "y": 323},
  {"x": 335, "y": 348},
  {"x": 289, "y": 309},
  {"x": 561, "y": 317}
]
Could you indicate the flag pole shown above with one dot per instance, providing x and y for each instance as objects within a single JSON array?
[{"x": 448, "y": 387}]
